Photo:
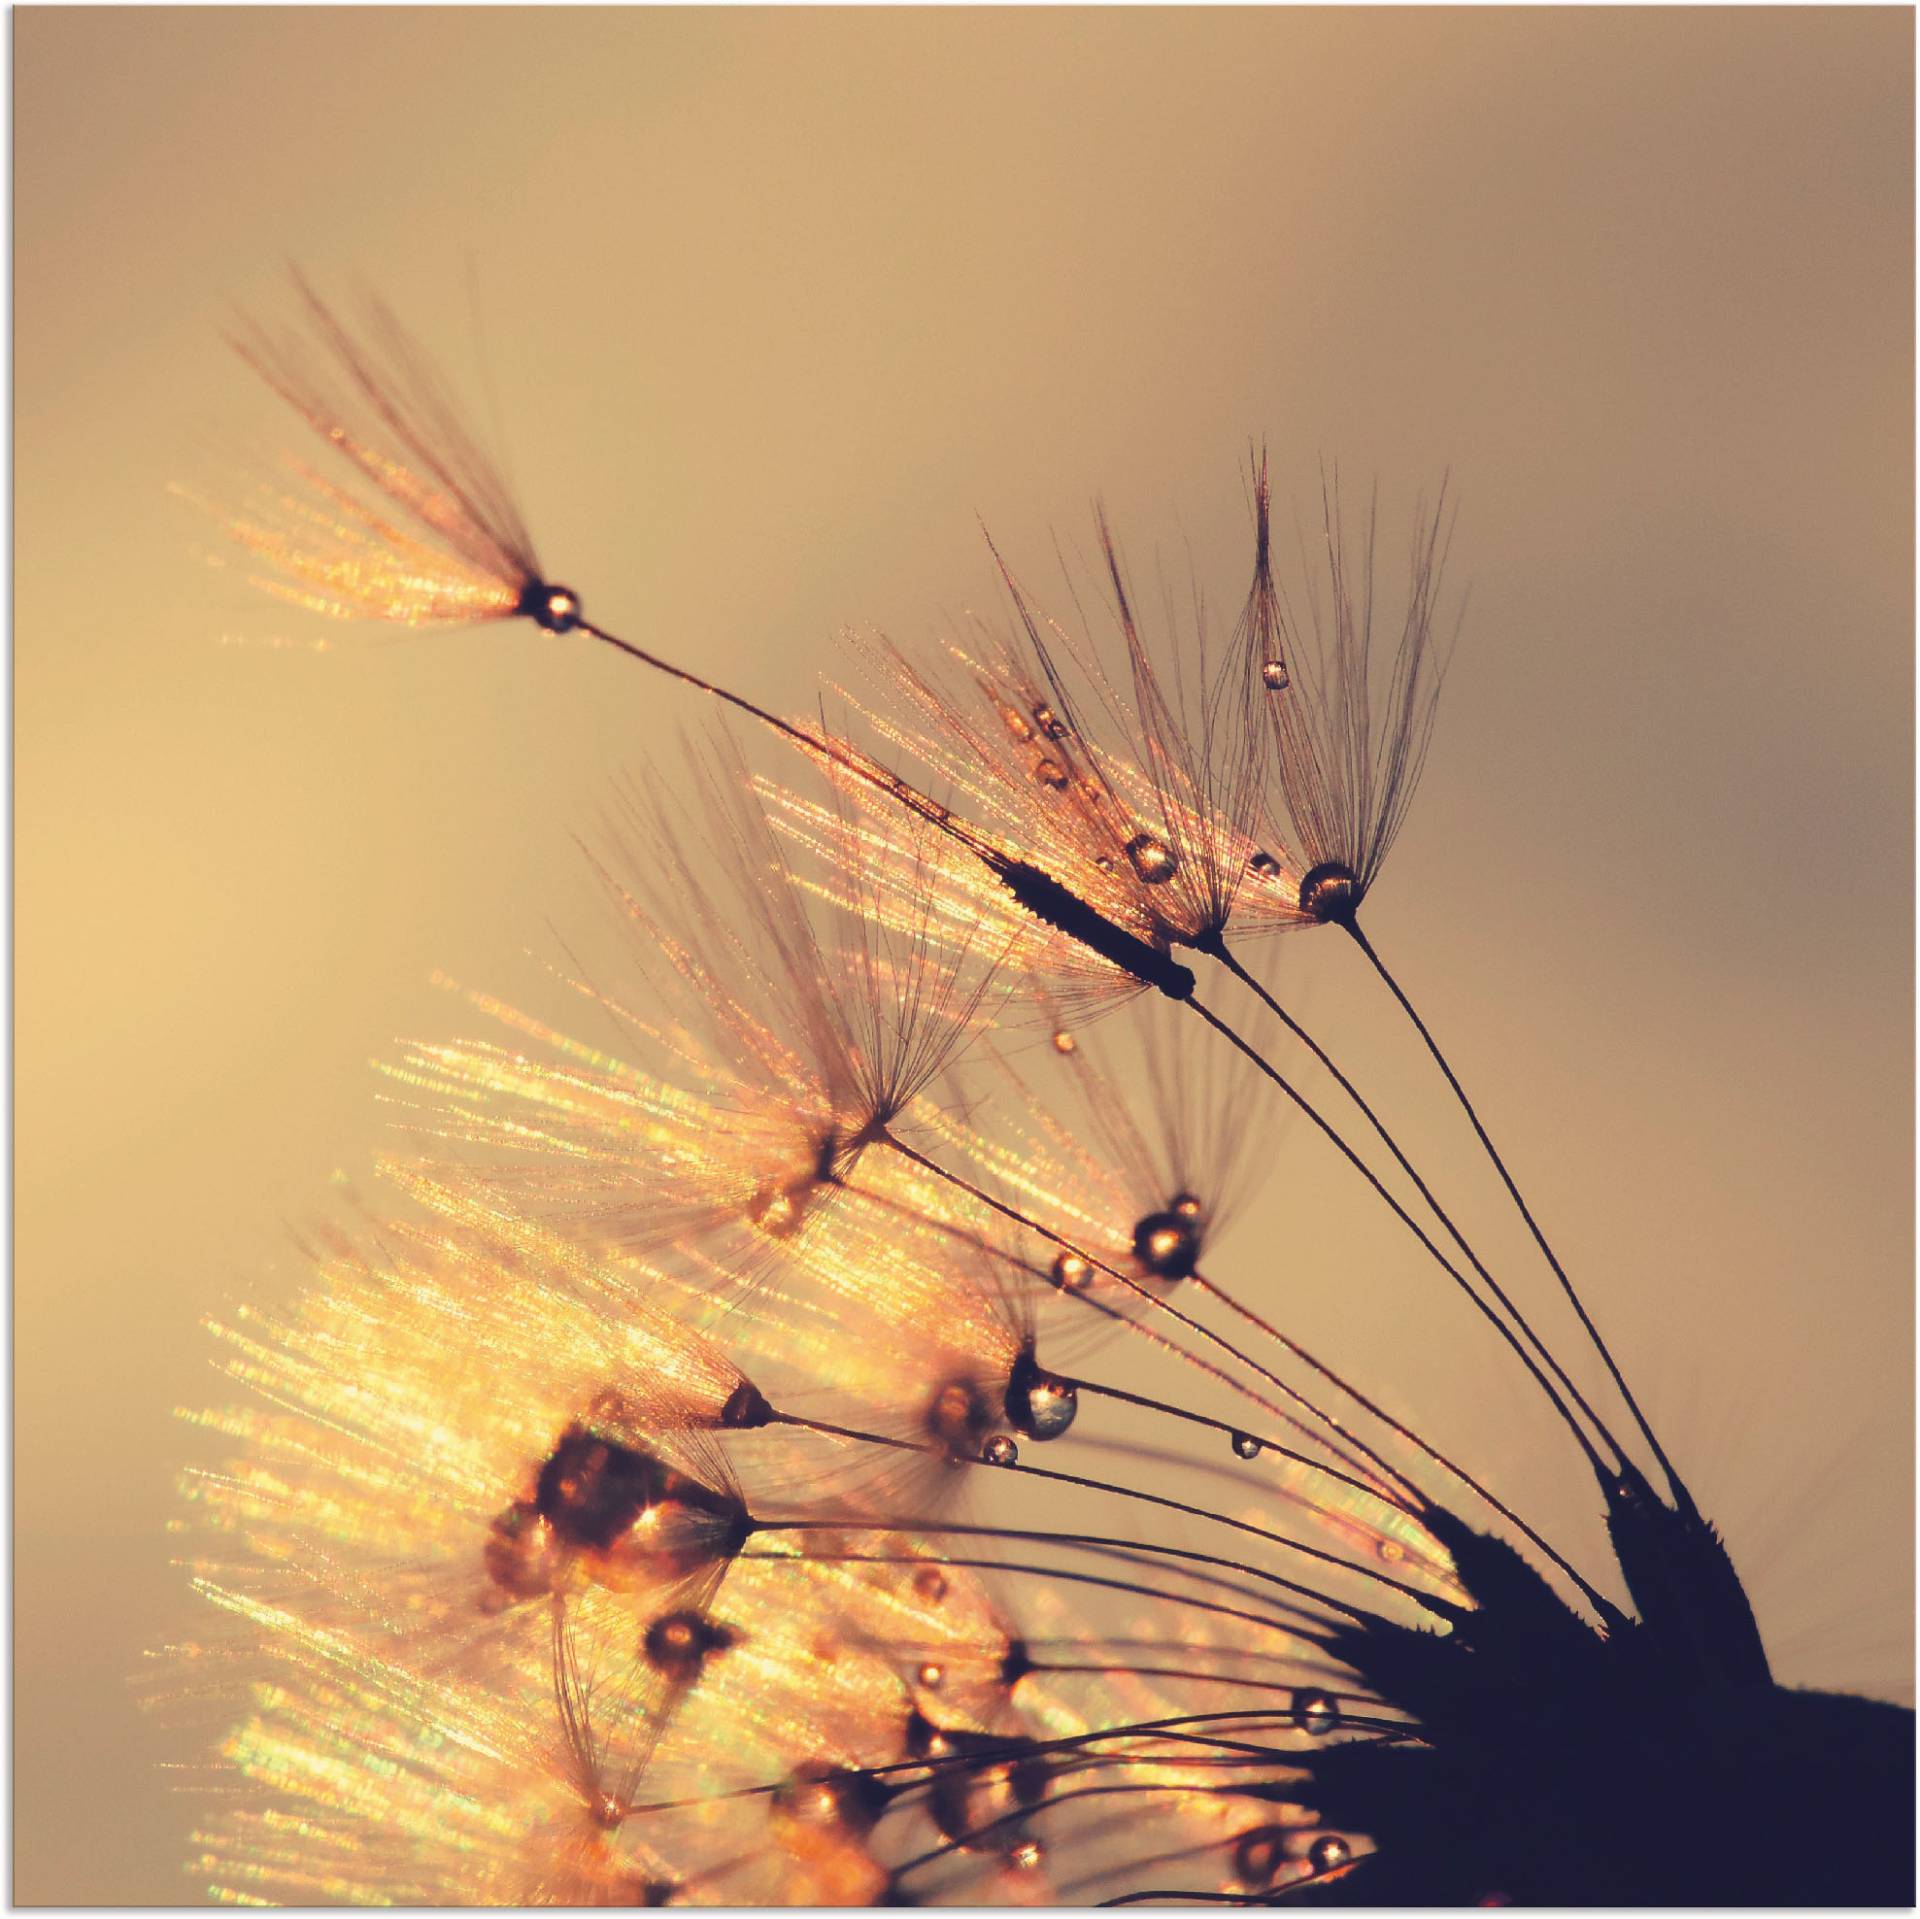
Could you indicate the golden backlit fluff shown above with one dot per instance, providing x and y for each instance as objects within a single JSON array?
[
  {"x": 770, "y": 1038},
  {"x": 790, "y": 1450}
]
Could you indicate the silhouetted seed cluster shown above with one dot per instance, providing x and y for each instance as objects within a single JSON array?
[{"x": 620, "y": 1516}]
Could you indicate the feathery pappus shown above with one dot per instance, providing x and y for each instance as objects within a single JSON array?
[{"x": 821, "y": 1445}]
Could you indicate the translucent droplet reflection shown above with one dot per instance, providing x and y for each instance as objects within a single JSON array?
[
  {"x": 555, "y": 609},
  {"x": 1328, "y": 1851},
  {"x": 1258, "y": 1855},
  {"x": 1040, "y": 1404},
  {"x": 1000, "y": 1451},
  {"x": 1330, "y": 892},
  {"x": 1070, "y": 1272},
  {"x": 1151, "y": 858},
  {"x": 1315, "y": 1711}
]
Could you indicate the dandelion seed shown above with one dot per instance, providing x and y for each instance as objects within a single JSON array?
[{"x": 1345, "y": 781}]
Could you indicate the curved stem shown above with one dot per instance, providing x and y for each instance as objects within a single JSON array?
[
  {"x": 853, "y": 1522},
  {"x": 1013, "y": 1213},
  {"x": 1413, "y": 1226},
  {"x": 976, "y": 1242},
  {"x": 1166, "y": 1503},
  {"x": 1265, "y": 1444},
  {"x": 1674, "y": 1481}
]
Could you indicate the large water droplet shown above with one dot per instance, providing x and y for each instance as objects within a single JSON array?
[
  {"x": 1040, "y": 1404},
  {"x": 1330, "y": 892},
  {"x": 1315, "y": 1711},
  {"x": 1050, "y": 722},
  {"x": 1052, "y": 775},
  {"x": 1167, "y": 1245},
  {"x": 1273, "y": 675},
  {"x": 555, "y": 609},
  {"x": 817, "y": 1794},
  {"x": 1064, "y": 1042},
  {"x": 1246, "y": 1446},
  {"x": 1000, "y": 1451},
  {"x": 1152, "y": 858},
  {"x": 1328, "y": 1851},
  {"x": 677, "y": 1644}
]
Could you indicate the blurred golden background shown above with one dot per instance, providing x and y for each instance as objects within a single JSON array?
[{"x": 767, "y": 306}]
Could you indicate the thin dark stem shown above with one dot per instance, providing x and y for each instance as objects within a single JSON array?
[
  {"x": 1413, "y": 1226},
  {"x": 853, "y": 1522},
  {"x": 1371, "y": 1490},
  {"x": 1217, "y": 950},
  {"x": 1674, "y": 1481},
  {"x": 820, "y": 745},
  {"x": 1067, "y": 1576},
  {"x": 1099, "y": 1265},
  {"x": 1602, "y": 1606},
  {"x": 1161, "y": 1500},
  {"x": 979, "y": 1244}
]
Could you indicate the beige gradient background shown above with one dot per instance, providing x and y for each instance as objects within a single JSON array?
[{"x": 772, "y": 305}]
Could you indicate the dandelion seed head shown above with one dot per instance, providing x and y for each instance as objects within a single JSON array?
[{"x": 410, "y": 523}]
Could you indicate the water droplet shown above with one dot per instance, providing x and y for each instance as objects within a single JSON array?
[
  {"x": 1040, "y": 1404},
  {"x": 977, "y": 1806},
  {"x": 1050, "y": 722},
  {"x": 958, "y": 1417},
  {"x": 1264, "y": 866},
  {"x": 1259, "y": 1854},
  {"x": 1064, "y": 1042},
  {"x": 677, "y": 1645},
  {"x": 1273, "y": 675},
  {"x": 931, "y": 1676},
  {"x": 1000, "y": 1451},
  {"x": 820, "y": 1795},
  {"x": 1152, "y": 858},
  {"x": 1328, "y": 1851},
  {"x": 1392, "y": 1551},
  {"x": 1331, "y": 891},
  {"x": 1104, "y": 862},
  {"x": 1315, "y": 1712},
  {"x": 1187, "y": 1205},
  {"x": 522, "y": 1556},
  {"x": 1051, "y": 774},
  {"x": 1246, "y": 1446},
  {"x": 555, "y": 609},
  {"x": 1070, "y": 1272},
  {"x": 1167, "y": 1245},
  {"x": 1026, "y": 1855},
  {"x": 931, "y": 1584},
  {"x": 775, "y": 1213}
]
